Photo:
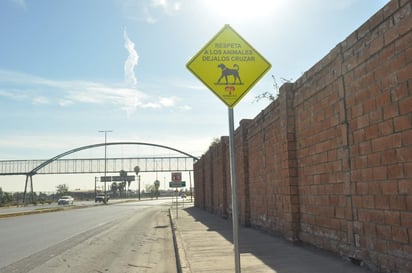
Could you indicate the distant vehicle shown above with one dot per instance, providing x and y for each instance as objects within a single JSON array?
[
  {"x": 65, "y": 200},
  {"x": 100, "y": 198}
]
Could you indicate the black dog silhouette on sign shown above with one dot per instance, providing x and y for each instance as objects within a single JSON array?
[{"x": 229, "y": 72}]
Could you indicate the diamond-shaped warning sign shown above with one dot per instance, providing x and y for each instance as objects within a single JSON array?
[{"x": 229, "y": 66}]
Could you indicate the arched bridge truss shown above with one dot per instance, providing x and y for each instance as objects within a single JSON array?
[
  {"x": 58, "y": 165},
  {"x": 97, "y": 165}
]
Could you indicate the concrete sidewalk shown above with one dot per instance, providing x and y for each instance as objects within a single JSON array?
[{"x": 204, "y": 245}]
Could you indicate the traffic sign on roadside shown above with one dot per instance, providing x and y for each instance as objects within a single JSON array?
[
  {"x": 229, "y": 66},
  {"x": 117, "y": 178},
  {"x": 176, "y": 177},
  {"x": 179, "y": 184}
]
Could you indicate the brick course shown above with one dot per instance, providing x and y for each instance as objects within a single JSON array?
[{"x": 329, "y": 162}]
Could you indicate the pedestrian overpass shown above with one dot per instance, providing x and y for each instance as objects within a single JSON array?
[{"x": 179, "y": 162}]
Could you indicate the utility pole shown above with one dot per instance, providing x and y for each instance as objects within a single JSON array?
[{"x": 105, "y": 161}]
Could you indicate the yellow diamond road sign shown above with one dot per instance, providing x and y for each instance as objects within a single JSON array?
[{"x": 229, "y": 66}]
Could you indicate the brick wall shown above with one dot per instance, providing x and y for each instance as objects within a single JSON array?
[
  {"x": 329, "y": 162},
  {"x": 220, "y": 181},
  {"x": 242, "y": 163},
  {"x": 199, "y": 183},
  {"x": 377, "y": 69}
]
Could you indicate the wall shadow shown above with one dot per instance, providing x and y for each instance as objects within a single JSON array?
[{"x": 274, "y": 251}]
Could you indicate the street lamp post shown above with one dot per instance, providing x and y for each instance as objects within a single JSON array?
[{"x": 105, "y": 161}]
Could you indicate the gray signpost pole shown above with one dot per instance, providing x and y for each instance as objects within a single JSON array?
[
  {"x": 177, "y": 201},
  {"x": 234, "y": 190}
]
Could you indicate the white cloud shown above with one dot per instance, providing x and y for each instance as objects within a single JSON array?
[
  {"x": 160, "y": 3},
  {"x": 186, "y": 108},
  {"x": 20, "y": 87},
  {"x": 168, "y": 102},
  {"x": 150, "y": 11},
  {"x": 40, "y": 100},
  {"x": 162, "y": 102},
  {"x": 167, "y": 6},
  {"x": 20, "y": 3},
  {"x": 151, "y": 105},
  {"x": 127, "y": 99},
  {"x": 65, "y": 102},
  {"x": 126, "y": 96},
  {"x": 148, "y": 17},
  {"x": 131, "y": 60},
  {"x": 12, "y": 95},
  {"x": 192, "y": 84},
  {"x": 40, "y": 146}
]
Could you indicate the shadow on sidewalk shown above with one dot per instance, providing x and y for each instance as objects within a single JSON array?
[{"x": 275, "y": 252}]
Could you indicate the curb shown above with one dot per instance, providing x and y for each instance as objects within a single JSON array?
[
  {"x": 173, "y": 227},
  {"x": 181, "y": 261}
]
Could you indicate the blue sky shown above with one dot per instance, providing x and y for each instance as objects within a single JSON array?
[{"x": 71, "y": 68}]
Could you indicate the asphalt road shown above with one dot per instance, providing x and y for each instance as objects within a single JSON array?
[{"x": 116, "y": 238}]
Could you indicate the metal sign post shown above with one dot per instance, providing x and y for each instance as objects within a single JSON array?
[
  {"x": 177, "y": 203},
  {"x": 177, "y": 183},
  {"x": 234, "y": 190}
]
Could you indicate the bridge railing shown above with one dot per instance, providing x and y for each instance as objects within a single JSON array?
[{"x": 97, "y": 165}]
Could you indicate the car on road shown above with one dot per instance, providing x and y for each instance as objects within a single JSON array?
[
  {"x": 65, "y": 200},
  {"x": 100, "y": 198}
]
